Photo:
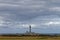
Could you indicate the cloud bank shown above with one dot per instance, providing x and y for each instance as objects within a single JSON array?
[{"x": 43, "y": 14}]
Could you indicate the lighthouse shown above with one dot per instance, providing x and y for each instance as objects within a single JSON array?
[
  {"x": 29, "y": 28},
  {"x": 29, "y": 32}
]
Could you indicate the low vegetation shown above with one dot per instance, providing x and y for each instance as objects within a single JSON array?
[{"x": 29, "y": 37}]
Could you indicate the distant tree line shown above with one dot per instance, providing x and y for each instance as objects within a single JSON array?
[{"x": 42, "y": 35}]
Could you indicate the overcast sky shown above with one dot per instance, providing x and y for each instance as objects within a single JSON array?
[{"x": 42, "y": 15}]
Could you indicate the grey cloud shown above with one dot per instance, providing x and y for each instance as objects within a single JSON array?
[{"x": 28, "y": 12}]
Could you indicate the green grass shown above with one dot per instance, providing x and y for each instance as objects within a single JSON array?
[{"x": 29, "y": 38}]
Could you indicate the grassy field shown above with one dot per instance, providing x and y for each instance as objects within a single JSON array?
[{"x": 29, "y": 38}]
